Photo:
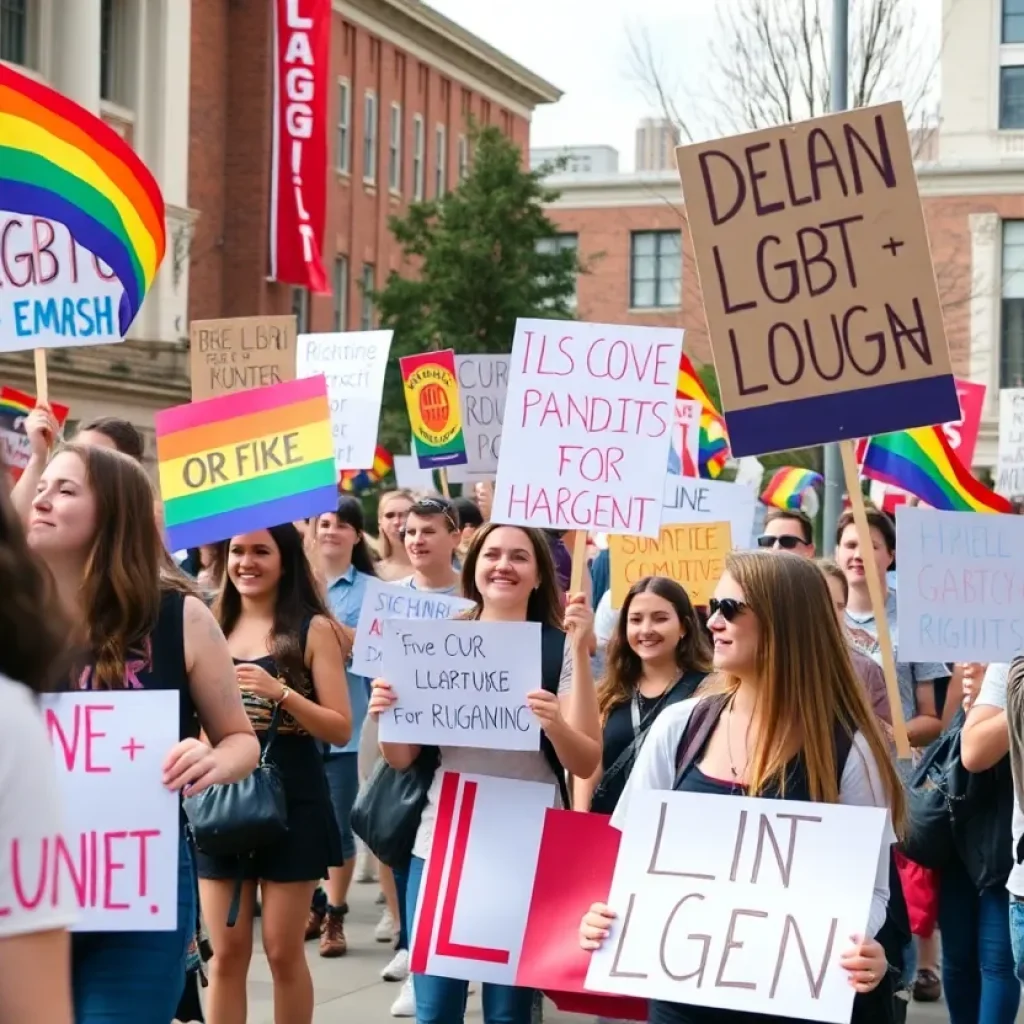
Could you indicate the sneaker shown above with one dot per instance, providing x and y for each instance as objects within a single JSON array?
[
  {"x": 405, "y": 1004},
  {"x": 385, "y": 930},
  {"x": 398, "y": 969},
  {"x": 314, "y": 923},
  {"x": 366, "y": 869},
  {"x": 332, "y": 937},
  {"x": 927, "y": 987}
]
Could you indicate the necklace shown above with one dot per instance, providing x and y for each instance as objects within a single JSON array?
[{"x": 728, "y": 741}]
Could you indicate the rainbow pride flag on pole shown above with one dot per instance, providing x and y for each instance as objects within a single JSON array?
[
  {"x": 358, "y": 481},
  {"x": 788, "y": 486},
  {"x": 713, "y": 447},
  {"x": 921, "y": 462},
  {"x": 246, "y": 461}
]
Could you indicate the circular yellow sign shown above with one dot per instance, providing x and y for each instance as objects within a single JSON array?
[{"x": 433, "y": 405}]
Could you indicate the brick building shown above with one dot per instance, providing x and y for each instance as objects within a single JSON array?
[{"x": 404, "y": 83}]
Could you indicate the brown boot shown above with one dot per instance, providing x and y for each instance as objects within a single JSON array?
[
  {"x": 332, "y": 937},
  {"x": 314, "y": 923}
]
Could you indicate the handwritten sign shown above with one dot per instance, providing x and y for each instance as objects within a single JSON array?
[
  {"x": 382, "y": 601},
  {"x": 743, "y": 913},
  {"x": 817, "y": 281},
  {"x": 15, "y": 446},
  {"x": 431, "y": 391},
  {"x": 118, "y": 855},
  {"x": 53, "y": 292},
  {"x": 462, "y": 684},
  {"x": 1010, "y": 458},
  {"x": 241, "y": 353},
  {"x": 960, "y": 585},
  {"x": 691, "y": 554},
  {"x": 694, "y": 500},
  {"x": 589, "y": 416},
  {"x": 483, "y": 383}
]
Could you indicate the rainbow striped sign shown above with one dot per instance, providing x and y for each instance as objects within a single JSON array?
[{"x": 245, "y": 461}]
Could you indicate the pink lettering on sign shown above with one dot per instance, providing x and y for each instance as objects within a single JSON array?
[
  {"x": 75, "y": 732},
  {"x": 33, "y": 252}
]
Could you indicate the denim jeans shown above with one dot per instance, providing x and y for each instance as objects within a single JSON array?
[
  {"x": 443, "y": 1000},
  {"x": 978, "y": 975},
  {"x": 1017, "y": 936},
  {"x": 402, "y": 892},
  {"x": 342, "y": 772},
  {"x": 135, "y": 977}
]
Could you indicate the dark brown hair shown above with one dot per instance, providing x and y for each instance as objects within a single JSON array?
[
  {"x": 793, "y": 515},
  {"x": 877, "y": 520},
  {"x": 624, "y": 667},
  {"x": 125, "y": 435}
]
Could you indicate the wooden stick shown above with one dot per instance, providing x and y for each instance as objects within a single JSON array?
[
  {"x": 860, "y": 519},
  {"x": 443, "y": 474},
  {"x": 579, "y": 562},
  {"x": 42, "y": 385}
]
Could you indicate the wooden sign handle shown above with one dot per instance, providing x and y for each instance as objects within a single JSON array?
[
  {"x": 42, "y": 385},
  {"x": 860, "y": 519},
  {"x": 579, "y": 562},
  {"x": 443, "y": 475}
]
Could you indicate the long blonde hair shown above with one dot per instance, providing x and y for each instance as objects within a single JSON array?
[
  {"x": 384, "y": 550},
  {"x": 807, "y": 682}
]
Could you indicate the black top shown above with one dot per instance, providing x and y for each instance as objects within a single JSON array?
[{"x": 261, "y": 710}]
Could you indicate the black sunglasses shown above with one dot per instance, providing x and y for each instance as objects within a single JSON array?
[
  {"x": 787, "y": 542},
  {"x": 728, "y": 606}
]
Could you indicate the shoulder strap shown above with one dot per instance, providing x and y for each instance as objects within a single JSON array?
[
  {"x": 702, "y": 721},
  {"x": 167, "y": 641},
  {"x": 307, "y": 622},
  {"x": 844, "y": 744},
  {"x": 552, "y": 655}
]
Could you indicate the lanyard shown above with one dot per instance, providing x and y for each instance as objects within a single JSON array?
[{"x": 634, "y": 712}]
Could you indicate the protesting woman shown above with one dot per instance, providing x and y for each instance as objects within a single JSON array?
[
  {"x": 658, "y": 656},
  {"x": 391, "y": 514},
  {"x": 784, "y": 712},
  {"x": 289, "y": 665},
  {"x": 510, "y": 576},
  {"x": 92, "y": 523}
]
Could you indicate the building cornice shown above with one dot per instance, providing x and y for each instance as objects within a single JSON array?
[{"x": 412, "y": 21}]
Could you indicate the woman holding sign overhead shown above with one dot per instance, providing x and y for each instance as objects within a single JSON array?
[
  {"x": 510, "y": 576},
  {"x": 784, "y": 718}
]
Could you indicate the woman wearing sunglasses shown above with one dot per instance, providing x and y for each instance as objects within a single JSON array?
[{"x": 788, "y": 707}]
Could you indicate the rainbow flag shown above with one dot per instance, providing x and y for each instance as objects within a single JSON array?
[
  {"x": 713, "y": 450},
  {"x": 246, "y": 461},
  {"x": 14, "y": 444},
  {"x": 61, "y": 163},
  {"x": 921, "y": 462},
  {"x": 358, "y": 481},
  {"x": 787, "y": 486}
]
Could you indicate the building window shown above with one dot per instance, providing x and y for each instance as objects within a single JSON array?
[
  {"x": 112, "y": 50},
  {"x": 560, "y": 243},
  {"x": 17, "y": 32},
  {"x": 441, "y": 172},
  {"x": 343, "y": 156},
  {"x": 1011, "y": 98},
  {"x": 1011, "y": 348},
  {"x": 463, "y": 157},
  {"x": 367, "y": 286},
  {"x": 370, "y": 136},
  {"x": 340, "y": 292},
  {"x": 418, "y": 156},
  {"x": 1013, "y": 21},
  {"x": 300, "y": 307},
  {"x": 395, "y": 149},
  {"x": 655, "y": 270}
]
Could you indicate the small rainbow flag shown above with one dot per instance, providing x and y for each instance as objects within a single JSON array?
[
  {"x": 61, "y": 163},
  {"x": 357, "y": 481},
  {"x": 14, "y": 443},
  {"x": 713, "y": 452},
  {"x": 246, "y": 461},
  {"x": 921, "y": 462},
  {"x": 787, "y": 487}
]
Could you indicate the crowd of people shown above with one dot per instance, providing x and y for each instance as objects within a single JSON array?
[{"x": 774, "y": 689}]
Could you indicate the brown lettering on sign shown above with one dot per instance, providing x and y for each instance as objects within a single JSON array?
[
  {"x": 615, "y": 972},
  {"x": 730, "y": 945},
  {"x": 814, "y": 981},
  {"x": 785, "y": 863},
  {"x": 663, "y": 945},
  {"x": 241, "y": 353},
  {"x": 652, "y": 868}
]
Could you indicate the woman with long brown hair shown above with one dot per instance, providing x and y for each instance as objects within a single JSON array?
[
  {"x": 788, "y": 720},
  {"x": 657, "y": 657},
  {"x": 137, "y": 627}
]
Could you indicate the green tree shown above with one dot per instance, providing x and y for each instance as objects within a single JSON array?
[{"x": 475, "y": 262}]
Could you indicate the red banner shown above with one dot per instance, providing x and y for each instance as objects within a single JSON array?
[{"x": 298, "y": 184}]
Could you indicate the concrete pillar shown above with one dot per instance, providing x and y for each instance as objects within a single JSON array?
[{"x": 76, "y": 51}]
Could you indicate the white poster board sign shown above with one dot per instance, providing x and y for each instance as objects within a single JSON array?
[
  {"x": 118, "y": 854},
  {"x": 483, "y": 383},
  {"x": 383, "y": 601},
  {"x": 409, "y": 475},
  {"x": 960, "y": 593},
  {"x": 462, "y": 683},
  {"x": 1010, "y": 457},
  {"x": 695, "y": 500},
  {"x": 354, "y": 365},
  {"x": 589, "y": 415},
  {"x": 743, "y": 913},
  {"x": 53, "y": 293}
]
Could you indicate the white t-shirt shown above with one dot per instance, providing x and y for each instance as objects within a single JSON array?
[
  {"x": 860, "y": 786},
  {"x": 29, "y": 809}
]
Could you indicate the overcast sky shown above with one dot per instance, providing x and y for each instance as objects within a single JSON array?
[{"x": 583, "y": 48}]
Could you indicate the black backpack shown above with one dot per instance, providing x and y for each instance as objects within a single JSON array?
[{"x": 552, "y": 655}]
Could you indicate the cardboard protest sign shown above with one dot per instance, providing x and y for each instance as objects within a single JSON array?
[
  {"x": 354, "y": 365},
  {"x": 245, "y": 461},
  {"x": 435, "y": 415},
  {"x": 483, "y": 383},
  {"x": 960, "y": 586},
  {"x": 118, "y": 853},
  {"x": 241, "y": 353},
  {"x": 14, "y": 443},
  {"x": 1010, "y": 457},
  {"x": 382, "y": 601},
  {"x": 589, "y": 416},
  {"x": 696, "y": 500},
  {"x": 743, "y": 913},
  {"x": 816, "y": 275},
  {"x": 692, "y": 554},
  {"x": 462, "y": 683}
]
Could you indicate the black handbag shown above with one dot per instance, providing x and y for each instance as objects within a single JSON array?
[
  {"x": 936, "y": 786},
  {"x": 234, "y": 819},
  {"x": 387, "y": 811}
]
